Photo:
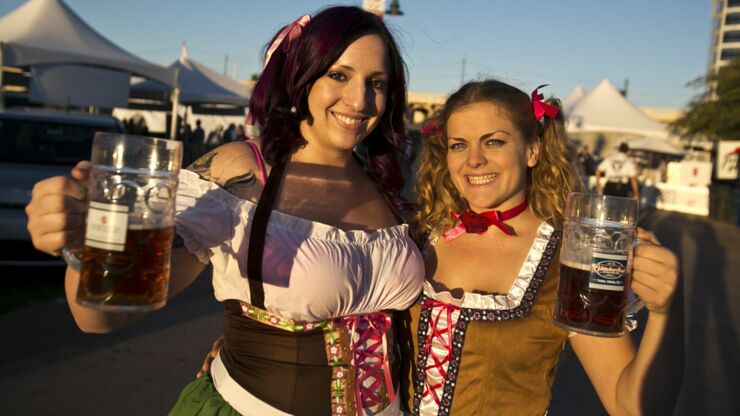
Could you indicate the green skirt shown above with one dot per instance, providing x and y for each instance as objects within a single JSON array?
[{"x": 201, "y": 398}]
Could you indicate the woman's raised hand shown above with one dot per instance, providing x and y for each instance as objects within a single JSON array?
[
  {"x": 56, "y": 213},
  {"x": 655, "y": 271}
]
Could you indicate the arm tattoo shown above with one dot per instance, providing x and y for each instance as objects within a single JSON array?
[
  {"x": 245, "y": 180},
  {"x": 202, "y": 166}
]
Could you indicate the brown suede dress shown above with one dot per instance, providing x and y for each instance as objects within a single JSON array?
[{"x": 488, "y": 354}]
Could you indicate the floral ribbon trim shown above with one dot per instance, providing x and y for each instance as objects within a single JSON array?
[{"x": 268, "y": 318}]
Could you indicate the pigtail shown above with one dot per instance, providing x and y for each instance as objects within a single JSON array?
[
  {"x": 436, "y": 195},
  {"x": 554, "y": 176},
  {"x": 271, "y": 105}
]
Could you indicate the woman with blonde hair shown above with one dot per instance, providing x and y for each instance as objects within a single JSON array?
[{"x": 492, "y": 185}]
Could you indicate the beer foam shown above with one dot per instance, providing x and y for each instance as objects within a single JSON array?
[
  {"x": 575, "y": 265},
  {"x": 593, "y": 222}
]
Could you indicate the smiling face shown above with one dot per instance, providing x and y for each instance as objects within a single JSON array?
[
  {"x": 488, "y": 157},
  {"x": 347, "y": 102}
]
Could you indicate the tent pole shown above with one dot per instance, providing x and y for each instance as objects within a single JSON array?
[
  {"x": 2, "y": 81},
  {"x": 175, "y": 103}
]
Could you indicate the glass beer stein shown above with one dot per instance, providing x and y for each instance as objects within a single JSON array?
[
  {"x": 596, "y": 264},
  {"x": 125, "y": 261}
]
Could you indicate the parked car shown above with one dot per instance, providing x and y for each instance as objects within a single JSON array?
[{"x": 37, "y": 144}]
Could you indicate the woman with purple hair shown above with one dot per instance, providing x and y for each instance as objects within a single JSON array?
[{"x": 303, "y": 228}]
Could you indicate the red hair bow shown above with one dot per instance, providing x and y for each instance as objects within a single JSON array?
[
  {"x": 431, "y": 128},
  {"x": 541, "y": 109}
]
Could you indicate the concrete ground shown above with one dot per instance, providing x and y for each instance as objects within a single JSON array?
[{"x": 48, "y": 367}]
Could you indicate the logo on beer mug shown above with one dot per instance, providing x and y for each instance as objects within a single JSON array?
[{"x": 607, "y": 271}]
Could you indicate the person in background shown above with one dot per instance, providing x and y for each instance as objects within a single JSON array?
[
  {"x": 310, "y": 256},
  {"x": 215, "y": 137},
  {"x": 620, "y": 174},
  {"x": 492, "y": 185},
  {"x": 586, "y": 161},
  {"x": 199, "y": 135},
  {"x": 229, "y": 135},
  {"x": 240, "y": 134}
]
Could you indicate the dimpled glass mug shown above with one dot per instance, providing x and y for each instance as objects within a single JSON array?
[
  {"x": 596, "y": 265},
  {"x": 125, "y": 261}
]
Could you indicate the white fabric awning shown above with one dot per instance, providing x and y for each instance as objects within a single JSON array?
[
  {"x": 656, "y": 145},
  {"x": 48, "y": 32},
  {"x": 198, "y": 84},
  {"x": 605, "y": 109}
]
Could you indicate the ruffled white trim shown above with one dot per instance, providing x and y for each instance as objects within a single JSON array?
[
  {"x": 193, "y": 187},
  {"x": 193, "y": 245},
  {"x": 501, "y": 301}
]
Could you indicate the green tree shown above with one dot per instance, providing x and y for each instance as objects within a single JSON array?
[{"x": 715, "y": 116}]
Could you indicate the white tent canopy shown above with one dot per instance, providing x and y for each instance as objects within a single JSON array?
[
  {"x": 48, "y": 32},
  {"x": 655, "y": 145},
  {"x": 605, "y": 109},
  {"x": 198, "y": 84},
  {"x": 572, "y": 98}
]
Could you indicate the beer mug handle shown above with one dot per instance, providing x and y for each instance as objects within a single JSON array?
[
  {"x": 72, "y": 258},
  {"x": 634, "y": 303}
]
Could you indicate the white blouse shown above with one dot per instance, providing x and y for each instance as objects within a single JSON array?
[{"x": 311, "y": 271}]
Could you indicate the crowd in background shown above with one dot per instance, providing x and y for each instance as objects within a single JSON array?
[{"x": 196, "y": 141}]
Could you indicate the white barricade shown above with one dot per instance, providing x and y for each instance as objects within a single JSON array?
[{"x": 686, "y": 199}]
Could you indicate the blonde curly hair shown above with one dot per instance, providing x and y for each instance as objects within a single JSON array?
[{"x": 548, "y": 183}]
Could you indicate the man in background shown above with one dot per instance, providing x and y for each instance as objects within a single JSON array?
[
  {"x": 621, "y": 175},
  {"x": 199, "y": 135}
]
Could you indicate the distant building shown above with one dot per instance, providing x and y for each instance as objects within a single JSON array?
[
  {"x": 422, "y": 105},
  {"x": 725, "y": 43}
]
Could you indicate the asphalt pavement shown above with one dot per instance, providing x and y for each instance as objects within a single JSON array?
[{"x": 48, "y": 367}]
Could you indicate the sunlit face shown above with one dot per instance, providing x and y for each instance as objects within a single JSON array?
[
  {"x": 488, "y": 157},
  {"x": 347, "y": 102}
]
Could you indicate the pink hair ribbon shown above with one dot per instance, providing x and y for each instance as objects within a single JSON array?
[
  {"x": 291, "y": 32},
  {"x": 541, "y": 109}
]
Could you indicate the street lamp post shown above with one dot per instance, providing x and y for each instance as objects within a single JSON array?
[
  {"x": 377, "y": 7},
  {"x": 394, "y": 9}
]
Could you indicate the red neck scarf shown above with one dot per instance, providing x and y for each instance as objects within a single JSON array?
[{"x": 473, "y": 222}]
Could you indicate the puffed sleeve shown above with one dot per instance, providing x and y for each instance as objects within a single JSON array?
[{"x": 204, "y": 215}]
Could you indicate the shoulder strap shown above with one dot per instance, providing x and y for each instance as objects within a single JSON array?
[
  {"x": 258, "y": 231},
  {"x": 260, "y": 164}
]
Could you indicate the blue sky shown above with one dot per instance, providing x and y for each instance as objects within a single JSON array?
[{"x": 659, "y": 45}]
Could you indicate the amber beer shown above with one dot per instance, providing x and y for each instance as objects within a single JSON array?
[
  {"x": 135, "y": 277},
  {"x": 582, "y": 304},
  {"x": 125, "y": 261}
]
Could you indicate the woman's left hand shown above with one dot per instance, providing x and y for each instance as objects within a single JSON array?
[
  {"x": 215, "y": 348},
  {"x": 655, "y": 271}
]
